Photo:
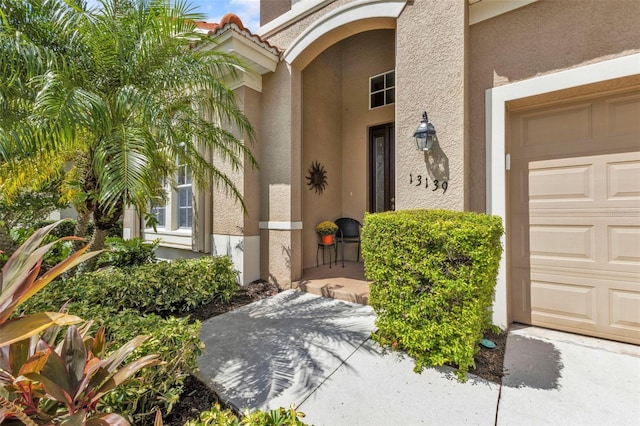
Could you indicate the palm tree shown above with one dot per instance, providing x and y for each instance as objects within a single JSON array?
[{"x": 126, "y": 91}]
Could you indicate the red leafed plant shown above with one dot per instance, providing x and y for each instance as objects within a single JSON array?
[{"x": 41, "y": 382}]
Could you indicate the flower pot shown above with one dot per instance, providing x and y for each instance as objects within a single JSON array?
[{"x": 327, "y": 239}]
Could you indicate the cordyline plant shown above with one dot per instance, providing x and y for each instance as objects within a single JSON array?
[{"x": 44, "y": 383}]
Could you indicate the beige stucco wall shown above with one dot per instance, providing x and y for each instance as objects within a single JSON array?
[
  {"x": 430, "y": 75},
  {"x": 280, "y": 174},
  {"x": 542, "y": 38},
  {"x": 252, "y": 109},
  {"x": 364, "y": 55},
  {"x": 228, "y": 217},
  {"x": 287, "y": 35},
  {"x": 322, "y": 143},
  {"x": 336, "y": 121},
  {"x": 271, "y": 9}
]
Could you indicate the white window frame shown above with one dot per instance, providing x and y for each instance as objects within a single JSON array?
[
  {"x": 172, "y": 234},
  {"x": 384, "y": 89},
  {"x": 187, "y": 184}
]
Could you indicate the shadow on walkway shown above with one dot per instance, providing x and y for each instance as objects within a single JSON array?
[
  {"x": 539, "y": 364},
  {"x": 277, "y": 351}
]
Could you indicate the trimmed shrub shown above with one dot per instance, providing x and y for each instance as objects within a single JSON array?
[
  {"x": 117, "y": 298},
  {"x": 216, "y": 416},
  {"x": 174, "y": 340},
  {"x": 64, "y": 229},
  {"x": 434, "y": 275},
  {"x": 163, "y": 287},
  {"x": 122, "y": 253}
]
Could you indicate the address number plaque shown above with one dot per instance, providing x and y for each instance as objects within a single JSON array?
[{"x": 434, "y": 184}]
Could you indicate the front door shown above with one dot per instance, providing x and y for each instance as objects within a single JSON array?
[{"x": 382, "y": 190}]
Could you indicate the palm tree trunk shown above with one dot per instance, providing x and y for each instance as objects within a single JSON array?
[
  {"x": 97, "y": 243},
  {"x": 104, "y": 221},
  {"x": 82, "y": 224},
  {"x": 98, "y": 238}
]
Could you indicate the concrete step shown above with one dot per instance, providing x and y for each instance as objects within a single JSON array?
[{"x": 340, "y": 283}]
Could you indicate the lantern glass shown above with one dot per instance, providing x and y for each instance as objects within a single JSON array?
[
  {"x": 425, "y": 134},
  {"x": 421, "y": 142}
]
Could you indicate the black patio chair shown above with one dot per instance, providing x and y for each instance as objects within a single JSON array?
[{"x": 348, "y": 232}]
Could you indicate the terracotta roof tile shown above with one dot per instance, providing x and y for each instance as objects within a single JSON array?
[{"x": 232, "y": 21}]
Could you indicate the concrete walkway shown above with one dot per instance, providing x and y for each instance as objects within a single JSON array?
[{"x": 315, "y": 353}]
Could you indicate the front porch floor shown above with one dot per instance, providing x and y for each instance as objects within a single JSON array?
[{"x": 346, "y": 283}]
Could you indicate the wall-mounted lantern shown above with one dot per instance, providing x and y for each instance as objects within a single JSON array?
[{"x": 425, "y": 134}]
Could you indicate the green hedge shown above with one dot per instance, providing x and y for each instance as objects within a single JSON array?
[
  {"x": 121, "y": 253},
  {"x": 174, "y": 340},
  {"x": 216, "y": 416},
  {"x": 123, "y": 300},
  {"x": 163, "y": 287},
  {"x": 434, "y": 275}
]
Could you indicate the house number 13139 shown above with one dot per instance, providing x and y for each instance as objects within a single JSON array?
[{"x": 420, "y": 180}]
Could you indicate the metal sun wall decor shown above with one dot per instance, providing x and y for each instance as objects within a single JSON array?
[{"x": 317, "y": 178}]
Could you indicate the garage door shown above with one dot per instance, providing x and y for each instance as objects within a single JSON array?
[{"x": 574, "y": 228}]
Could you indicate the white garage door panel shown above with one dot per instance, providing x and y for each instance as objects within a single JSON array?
[
  {"x": 574, "y": 216},
  {"x": 571, "y": 124},
  {"x": 622, "y": 116},
  {"x": 583, "y": 231},
  {"x": 563, "y": 243},
  {"x": 625, "y": 309},
  {"x": 548, "y": 300},
  {"x": 624, "y": 181},
  {"x": 561, "y": 184},
  {"x": 600, "y": 307},
  {"x": 623, "y": 246}
]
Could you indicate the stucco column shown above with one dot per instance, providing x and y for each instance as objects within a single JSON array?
[
  {"x": 235, "y": 232},
  {"x": 281, "y": 176},
  {"x": 431, "y": 75}
]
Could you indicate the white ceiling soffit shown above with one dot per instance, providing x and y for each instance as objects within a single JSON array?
[{"x": 258, "y": 57}]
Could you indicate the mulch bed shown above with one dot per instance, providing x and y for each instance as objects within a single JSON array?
[
  {"x": 489, "y": 362},
  {"x": 198, "y": 397}
]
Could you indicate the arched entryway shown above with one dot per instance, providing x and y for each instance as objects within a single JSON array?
[{"x": 348, "y": 100}]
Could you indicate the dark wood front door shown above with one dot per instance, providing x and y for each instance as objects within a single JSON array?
[{"x": 382, "y": 190}]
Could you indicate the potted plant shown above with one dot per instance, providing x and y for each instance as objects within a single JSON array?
[{"x": 327, "y": 230}]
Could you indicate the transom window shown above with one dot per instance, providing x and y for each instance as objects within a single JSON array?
[{"x": 382, "y": 89}]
